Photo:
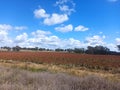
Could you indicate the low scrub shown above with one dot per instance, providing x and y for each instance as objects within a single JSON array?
[{"x": 16, "y": 79}]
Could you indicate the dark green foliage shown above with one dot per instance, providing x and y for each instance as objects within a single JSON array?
[
  {"x": 59, "y": 49},
  {"x": 79, "y": 50},
  {"x": 118, "y": 46},
  {"x": 17, "y": 48},
  {"x": 97, "y": 50}
]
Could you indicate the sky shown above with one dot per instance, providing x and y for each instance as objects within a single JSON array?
[{"x": 60, "y": 23}]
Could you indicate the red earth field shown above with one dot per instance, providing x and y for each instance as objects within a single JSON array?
[{"x": 105, "y": 62}]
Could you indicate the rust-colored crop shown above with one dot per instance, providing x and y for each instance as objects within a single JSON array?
[{"x": 90, "y": 61}]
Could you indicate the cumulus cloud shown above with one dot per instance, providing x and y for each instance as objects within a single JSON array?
[
  {"x": 5, "y": 27},
  {"x": 56, "y": 19},
  {"x": 45, "y": 39},
  {"x": 66, "y": 6},
  {"x": 61, "y": 2},
  {"x": 3, "y": 36},
  {"x": 118, "y": 40},
  {"x": 42, "y": 38},
  {"x": 52, "y": 41},
  {"x": 41, "y": 13},
  {"x": 20, "y": 27},
  {"x": 72, "y": 43},
  {"x": 21, "y": 38},
  {"x": 50, "y": 19},
  {"x": 4, "y": 39},
  {"x": 112, "y": 47},
  {"x": 67, "y": 28},
  {"x": 66, "y": 9},
  {"x": 40, "y": 33},
  {"x": 95, "y": 40},
  {"x": 81, "y": 28},
  {"x": 99, "y": 40}
]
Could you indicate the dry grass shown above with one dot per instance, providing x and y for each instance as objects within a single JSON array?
[
  {"x": 17, "y": 79},
  {"x": 72, "y": 70}
]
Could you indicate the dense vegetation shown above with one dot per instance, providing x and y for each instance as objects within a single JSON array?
[{"x": 90, "y": 50}]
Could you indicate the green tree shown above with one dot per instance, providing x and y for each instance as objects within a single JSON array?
[{"x": 118, "y": 46}]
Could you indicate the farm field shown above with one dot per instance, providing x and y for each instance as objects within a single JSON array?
[
  {"x": 103, "y": 62},
  {"x": 17, "y": 79},
  {"x": 43, "y": 71}
]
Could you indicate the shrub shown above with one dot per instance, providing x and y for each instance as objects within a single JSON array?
[{"x": 16, "y": 79}]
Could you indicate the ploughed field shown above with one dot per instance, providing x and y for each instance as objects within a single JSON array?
[{"x": 104, "y": 62}]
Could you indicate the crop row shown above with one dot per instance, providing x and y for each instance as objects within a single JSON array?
[{"x": 91, "y": 61}]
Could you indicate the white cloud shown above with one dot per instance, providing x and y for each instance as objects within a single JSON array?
[
  {"x": 41, "y": 13},
  {"x": 3, "y": 36},
  {"x": 100, "y": 32},
  {"x": 20, "y": 27},
  {"x": 66, "y": 6},
  {"x": 46, "y": 40},
  {"x": 81, "y": 28},
  {"x": 40, "y": 33},
  {"x": 118, "y": 40},
  {"x": 61, "y": 2},
  {"x": 99, "y": 40},
  {"x": 95, "y": 40},
  {"x": 43, "y": 39},
  {"x": 67, "y": 28},
  {"x": 65, "y": 2},
  {"x": 21, "y": 38},
  {"x": 112, "y": 47},
  {"x": 4, "y": 39},
  {"x": 40, "y": 38},
  {"x": 72, "y": 43},
  {"x": 66, "y": 9},
  {"x": 50, "y": 19},
  {"x": 5, "y": 27},
  {"x": 55, "y": 19},
  {"x": 53, "y": 41}
]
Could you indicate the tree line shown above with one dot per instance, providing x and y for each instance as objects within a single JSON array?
[{"x": 90, "y": 50}]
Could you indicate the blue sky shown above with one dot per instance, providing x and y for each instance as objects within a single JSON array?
[{"x": 60, "y": 23}]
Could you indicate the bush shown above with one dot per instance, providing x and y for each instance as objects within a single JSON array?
[{"x": 15, "y": 79}]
